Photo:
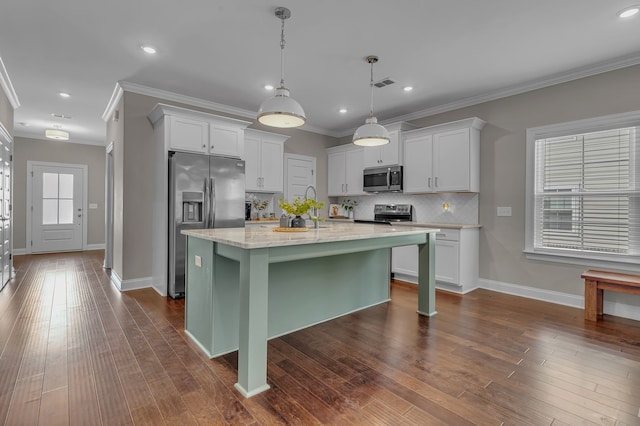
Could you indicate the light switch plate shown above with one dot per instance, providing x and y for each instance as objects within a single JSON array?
[
  {"x": 93, "y": 205},
  {"x": 198, "y": 260},
  {"x": 504, "y": 211}
]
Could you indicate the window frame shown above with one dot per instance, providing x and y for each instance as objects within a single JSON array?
[{"x": 601, "y": 260}]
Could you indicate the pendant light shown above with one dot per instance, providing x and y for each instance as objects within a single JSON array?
[
  {"x": 371, "y": 133},
  {"x": 281, "y": 110}
]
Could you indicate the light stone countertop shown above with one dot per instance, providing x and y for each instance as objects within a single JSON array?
[
  {"x": 265, "y": 236},
  {"x": 441, "y": 225},
  {"x": 420, "y": 224}
]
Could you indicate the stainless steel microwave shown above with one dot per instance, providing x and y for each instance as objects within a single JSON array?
[{"x": 383, "y": 179}]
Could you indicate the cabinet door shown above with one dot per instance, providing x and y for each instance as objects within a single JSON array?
[
  {"x": 272, "y": 166},
  {"x": 390, "y": 153},
  {"x": 252, "y": 164},
  {"x": 353, "y": 174},
  {"x": 447, "y": 261},
  {"x": 451, "y": 160},
  {"x": 336, "y": 173},
  {"x": 404, "y": 260},
  {"x": 226, "y": 141},
  {"x": 186, "y": 134},
  {"x": 418, "y": 164},
  {"x": 372, "y": 156}
]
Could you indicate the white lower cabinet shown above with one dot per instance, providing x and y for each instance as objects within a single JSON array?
[{"x": 456, "y": 260}]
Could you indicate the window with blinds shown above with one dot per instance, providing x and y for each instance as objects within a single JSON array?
[{"x": 586, "y": 192}]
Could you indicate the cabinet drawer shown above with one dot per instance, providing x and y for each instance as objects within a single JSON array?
[{"x": 448, "y": 235}]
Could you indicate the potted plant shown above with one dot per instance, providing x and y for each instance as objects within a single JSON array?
[
  {"x": 260, "y": 205},
  {"x": 348, "y": 205},
  {"x": 299, "y": 207}
]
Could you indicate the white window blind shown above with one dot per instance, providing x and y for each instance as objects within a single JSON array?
[{"x": 587, "y": 194}]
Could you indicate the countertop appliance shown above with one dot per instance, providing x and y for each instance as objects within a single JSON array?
[
  {"x": 386, "y": 214},
  {"x": 382, "y": 179},
  {"x": 204, "y": 192}
]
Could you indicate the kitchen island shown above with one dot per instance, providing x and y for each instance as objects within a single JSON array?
[{"x": 247, "y": 285}]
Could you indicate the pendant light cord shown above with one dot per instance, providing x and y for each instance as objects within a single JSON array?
[
  {"x": 371, "y": 84},
  {"x": 282, "y": 54}
]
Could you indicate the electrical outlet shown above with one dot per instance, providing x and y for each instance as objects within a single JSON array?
[
  {"x": 198, "y": 261},
  {"x": 504, "y": 211}
]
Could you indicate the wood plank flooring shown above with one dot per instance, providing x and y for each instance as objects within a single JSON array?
[{"x": 73, "y": 350}]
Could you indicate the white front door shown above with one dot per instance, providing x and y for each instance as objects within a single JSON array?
[
  {"x": 300, "y": 172},
  {"x": 57, "y": 203}
]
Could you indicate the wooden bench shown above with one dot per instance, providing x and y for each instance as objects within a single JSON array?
[{"x": 597, "y": 281}]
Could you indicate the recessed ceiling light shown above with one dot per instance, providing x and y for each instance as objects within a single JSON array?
[
  {"x": 64, "y": 94},
  {"x": 407, "y": 88},
  {"x": 343, "y": 110},
  {"x": 268, "y": 87},
  {"x": 629, "y": 12},
  {"x": 148, "y": 49}
]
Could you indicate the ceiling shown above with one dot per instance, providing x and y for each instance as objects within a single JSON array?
[{"x": 453, "y": 53}]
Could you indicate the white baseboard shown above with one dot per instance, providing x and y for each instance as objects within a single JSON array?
[
  {"x": 611, "y": 308},
  {"x": 136, "y": 284},
  {"x": 115, "y": 279},
  {"x": 21, "y": 251}
]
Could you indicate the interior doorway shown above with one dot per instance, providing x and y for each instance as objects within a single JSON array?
[
  {"x": 108, "y": 249},
  {"x": 56, "y": 207},
  {"x": 300, "y": 172}
]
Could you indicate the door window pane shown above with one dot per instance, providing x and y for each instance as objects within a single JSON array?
[
  {"x": 57, "y": 198},
  {"x": 49, "y": 185},
  {"x": 49, "y": 212},
  {"x": 65, "y": 212},
  {"x": 66, "y": 186}
]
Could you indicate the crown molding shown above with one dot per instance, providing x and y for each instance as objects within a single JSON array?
[
  {"x": 5, "y": 83},
  {"x": 576, "y": 74},
  {"x": 4, "y": 134},
  {"x": 113, "y": 102},
  {"x": 125, "y": 86}
]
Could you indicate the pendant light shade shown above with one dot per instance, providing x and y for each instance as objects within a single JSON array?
[
  {"x": 371, "y": 133},
  {"x": 281, "y": 110}
]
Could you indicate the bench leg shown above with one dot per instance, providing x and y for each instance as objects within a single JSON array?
[{"x": 592, "y": 300}]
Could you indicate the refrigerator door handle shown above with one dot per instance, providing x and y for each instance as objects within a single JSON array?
[
  {"x": 205, "y": 217},
  {"x": 212, "y": 192}
]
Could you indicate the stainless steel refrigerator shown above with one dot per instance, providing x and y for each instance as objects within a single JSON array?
[{"x": 204, "y": 192}]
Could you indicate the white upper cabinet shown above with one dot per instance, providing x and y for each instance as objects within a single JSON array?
[
  {"x": 196, "y": 131},
  {"x": 345, "y": 165},
  {"x": 443, "y": 158},
  {"x": 188, "y": 135},
  {"x": 264, "y": 161},
  {"x": 225, "y": 140},
  {"x": 390, "y": 154}
]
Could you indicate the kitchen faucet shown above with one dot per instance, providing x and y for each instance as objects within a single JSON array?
[{"x": 316, "y": 223}]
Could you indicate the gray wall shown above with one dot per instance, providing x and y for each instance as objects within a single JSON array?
[
  {"x": 132, "y": 258},
  {"x": 502, "y": 169},
  {"x": 25, "y": 149}
]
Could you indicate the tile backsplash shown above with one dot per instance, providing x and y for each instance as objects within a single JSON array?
[{"x": 463, "y": 208}]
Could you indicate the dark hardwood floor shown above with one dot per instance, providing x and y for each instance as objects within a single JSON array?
[{"x": 73, "y": 350}]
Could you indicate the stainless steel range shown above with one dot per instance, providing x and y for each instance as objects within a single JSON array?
[{"x": 386, "y": 214}]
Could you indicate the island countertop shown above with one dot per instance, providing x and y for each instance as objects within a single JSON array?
[{"x": 265, "y": 236}]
